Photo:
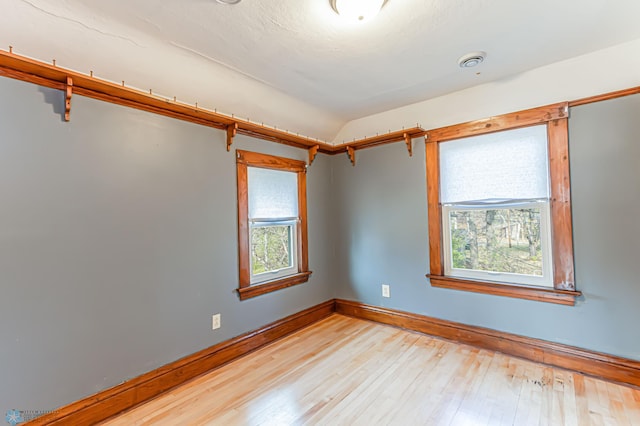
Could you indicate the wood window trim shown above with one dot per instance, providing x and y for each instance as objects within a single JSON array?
[
  {"x": 541, "y": 294},
  {"x": 556, "y": 119},
  {"x": 245, "y": 159}
]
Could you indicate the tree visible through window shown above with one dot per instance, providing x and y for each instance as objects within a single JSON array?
[
  {"x": 272, "y": 223},
  {"x": 495, "y": 193},
  {"x": 271, "y": 248},
  {"x": 500, "y": 208},
  {"x": 503, "y": 240}
]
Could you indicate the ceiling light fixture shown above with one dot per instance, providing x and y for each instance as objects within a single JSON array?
[
  {"x": 357, "y": 10},
  {"x": 228, "y": 1},
  {"x": 470, "y": 60}
]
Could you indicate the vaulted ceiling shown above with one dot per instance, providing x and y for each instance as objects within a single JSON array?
[{"x": 295, "y": 63}]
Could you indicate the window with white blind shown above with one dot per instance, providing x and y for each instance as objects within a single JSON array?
[
  {"x": 273, "y": 218},
  {"x": 494, "y": 191},
  {"x": 499, "y": 204},
  {"x": 272, "y": 223}
]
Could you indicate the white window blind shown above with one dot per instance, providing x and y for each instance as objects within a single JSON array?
[
  {"x": 508, "y": 165},
  {"x": 272, "y": 194}
]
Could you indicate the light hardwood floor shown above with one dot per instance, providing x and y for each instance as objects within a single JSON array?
[{"x": 345, "y": 371}]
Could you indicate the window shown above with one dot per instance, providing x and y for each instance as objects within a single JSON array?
[
  {"x": 499, "y": 206},
  {"x": 273, "y": 220},
  {"x": 272, "y": 223},
  {"x": 494, "y": 191}
]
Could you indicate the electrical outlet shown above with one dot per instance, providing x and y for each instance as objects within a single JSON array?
[
  {"x": 215, "y": 322},
  {"x": 385, "y": 290}
]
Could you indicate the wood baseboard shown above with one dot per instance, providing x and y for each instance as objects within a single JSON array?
[
  {"x": 112, "y": 401},
  {"x": 604, "y": 366}
]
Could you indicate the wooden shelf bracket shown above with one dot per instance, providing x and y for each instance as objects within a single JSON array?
[
  {"x": 408, "y": 141},
  {"x": 67, "y": 99},
  {"x": 313, "y": 151},
  {"x": 232, "y": 130},
  {"x": 352, "y": 155}
]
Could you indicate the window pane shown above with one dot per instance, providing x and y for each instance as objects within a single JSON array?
[
  {"x": 271, "y": 248},
  {"x": 497, "y": 240},
  {"x": 272, "y": 193},
  {"x": 504, "y": 165}
]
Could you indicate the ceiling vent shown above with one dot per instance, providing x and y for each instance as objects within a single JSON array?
[{"x": 471, "y": 60}]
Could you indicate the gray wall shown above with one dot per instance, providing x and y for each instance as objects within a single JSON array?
[
  {"x": 383, "y": 228},
  {"x": 118, "y": 241}
]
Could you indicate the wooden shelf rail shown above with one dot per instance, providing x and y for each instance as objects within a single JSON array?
[{"x": 71, "y": 82}]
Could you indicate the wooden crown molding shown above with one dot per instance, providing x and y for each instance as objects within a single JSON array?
[
  {"x": 405, "y": 135},
  {"x": 605, "y": 96},
  {"x": 369, "y": 142},
  {"x": 50, "y": 75}
]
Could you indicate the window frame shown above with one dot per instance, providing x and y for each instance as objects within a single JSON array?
[
  {"x": 246, "y": 289},
  {"x": 555, "y": 117}
]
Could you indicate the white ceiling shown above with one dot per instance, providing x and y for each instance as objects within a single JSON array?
[{"x": 295, "y": 64}]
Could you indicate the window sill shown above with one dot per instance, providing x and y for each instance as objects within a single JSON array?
[
  {"x": 560, "y": 297},
  {"x": 269, "y": 286}
]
